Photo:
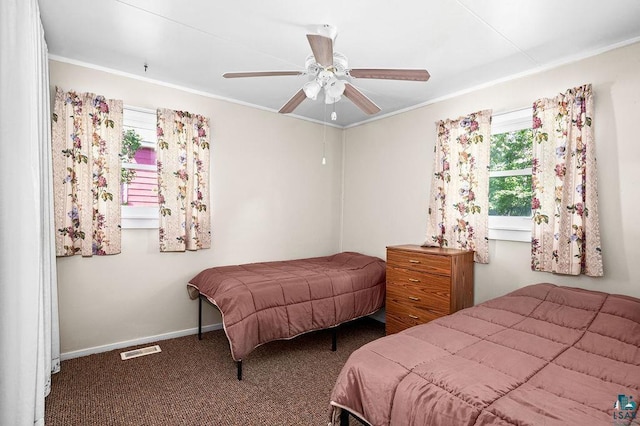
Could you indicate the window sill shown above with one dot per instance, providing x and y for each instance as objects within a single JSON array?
[
  {"x": 506, "y": 234},
  {"x": 129, "y": 223},
  {"x": 510, "y": 228},
  {"x": 139, "y": 217}
]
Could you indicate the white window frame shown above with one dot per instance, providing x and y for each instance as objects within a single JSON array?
[
  {"x": 511, "y": 228},
  {"x": 144, "y": 121}
]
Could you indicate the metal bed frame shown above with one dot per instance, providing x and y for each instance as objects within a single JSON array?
[
  {"x": 344, "y": 418},
  {"x": 334, "y": 334}
]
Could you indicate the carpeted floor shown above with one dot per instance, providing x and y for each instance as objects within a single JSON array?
[{"x": 194, "y": 382}]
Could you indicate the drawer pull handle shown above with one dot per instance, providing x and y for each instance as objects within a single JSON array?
[
  {"x": 415, "y": 299},
  {"x": 413, "y": 261},
  {"x": 413, "y": 316},
  {"x": 413, "y": 280}
]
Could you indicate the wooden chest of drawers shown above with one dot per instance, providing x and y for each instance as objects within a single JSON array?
[{"x": 425, "y": 283}]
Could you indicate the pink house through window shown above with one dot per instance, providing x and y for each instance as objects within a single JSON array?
[{"x": 143, "y": 189}]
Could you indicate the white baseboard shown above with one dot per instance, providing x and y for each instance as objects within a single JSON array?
[{"x": 135, "y": 342}]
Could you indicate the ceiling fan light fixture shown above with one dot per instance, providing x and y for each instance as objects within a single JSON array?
[{"x": 311, "y": 89}]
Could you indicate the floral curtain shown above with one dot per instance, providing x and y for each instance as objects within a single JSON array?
[
  {"x": 566, "y": 232},
  {"x": 86, "y": 139},
  {"x": 183, "y": 181},
  {"x": 459, "y": 201}
]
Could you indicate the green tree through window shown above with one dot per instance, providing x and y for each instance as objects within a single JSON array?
[
  {"x": 510, "y": 173},
  {"x": 131, "y": 142}
]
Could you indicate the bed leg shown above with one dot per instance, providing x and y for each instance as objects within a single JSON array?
[
  {"x": 239, "y": 365},
  {"x": 200, "y": 317},
  {"x": 334, "y": 339},
  {"x": 344, "y": 418}
]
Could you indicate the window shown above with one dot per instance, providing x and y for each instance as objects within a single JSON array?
[
  {"x": 139, "y": 177},
  {"x": 510, "y": 176}
]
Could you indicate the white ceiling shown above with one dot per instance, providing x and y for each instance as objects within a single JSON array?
[{"x": 462, "y": 43}]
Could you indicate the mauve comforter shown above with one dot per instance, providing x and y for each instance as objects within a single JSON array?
[
  {"x": 541, "y": 355},
  {"x": 262, "y": 302}
]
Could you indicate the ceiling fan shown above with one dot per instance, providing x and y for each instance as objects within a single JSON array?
[{"x": 329, "y": 70}]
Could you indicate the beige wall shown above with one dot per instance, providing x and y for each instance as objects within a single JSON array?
[
  {"x": 388, "y": 165},
  {"x": 271, "y": 199}
]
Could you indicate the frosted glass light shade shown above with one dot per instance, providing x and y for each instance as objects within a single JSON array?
[
  {"x": 335, "y": 88},
  {"x": 311, "y": 89}
]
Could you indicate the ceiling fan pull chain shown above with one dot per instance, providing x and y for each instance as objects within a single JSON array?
[{"x": 324, "y": 135}]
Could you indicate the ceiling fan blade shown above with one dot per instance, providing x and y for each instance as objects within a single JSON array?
[
  {"x": 390, "y": 74},
  {"x": 360, "y": 100},
  {"x": 293, "y": 102},
  {"x": 322, "y": 48},
  {"x": 261, "y": 74}
]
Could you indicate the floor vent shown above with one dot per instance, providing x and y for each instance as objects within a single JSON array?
[{"x": 140, "y": 352}]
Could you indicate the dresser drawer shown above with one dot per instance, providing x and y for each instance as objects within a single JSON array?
[
  {"x": 438, "y": 303},
  {"x": 399, "y": 317},
  {"x": 434, "y": 298},
  {"x": 404, "y": 276},
  {"x": 419, "y": 262}
]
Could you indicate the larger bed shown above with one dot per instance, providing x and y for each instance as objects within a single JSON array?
[
  {"x": 262, "y": 302},
  {"x": 541, "y": 355}
]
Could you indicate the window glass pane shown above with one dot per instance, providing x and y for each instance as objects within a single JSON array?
[
  {"x": 510, "y": 176},
  {"x": 511, "y": 150},
  {"x": 139, "y": 179},
  {"x": 143, "y": 188},
  {"x": 510, "y": 196}
]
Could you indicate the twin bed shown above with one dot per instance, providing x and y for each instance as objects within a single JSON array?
[
  {"x": 263, "y": 302},
  {"x": 541, "y": 355}
]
